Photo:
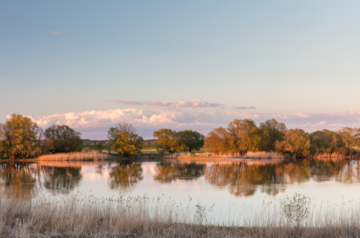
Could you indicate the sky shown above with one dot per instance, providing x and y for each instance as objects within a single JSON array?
[{"x": 180, "y": 64}]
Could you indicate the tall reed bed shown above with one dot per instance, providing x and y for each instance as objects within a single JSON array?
[
  {"x": 75, "y": 156},
  {"x": 248, "y": 155},
  {"x": 88, "y": 216}
]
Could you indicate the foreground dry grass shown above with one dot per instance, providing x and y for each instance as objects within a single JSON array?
[{"x": 80, "y": 216}]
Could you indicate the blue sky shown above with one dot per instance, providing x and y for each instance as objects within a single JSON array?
[{"x": 82, "y": 62}]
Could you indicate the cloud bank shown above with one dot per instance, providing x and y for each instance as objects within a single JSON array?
[
  {"x": 195, "y": 103},
  {"x": 95, "y": 124}
]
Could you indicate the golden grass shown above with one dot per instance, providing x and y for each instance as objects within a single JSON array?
[
  {"x": 75, "y": 156},
  {"x": 87, "y": 216},
  {"x": 248, "y": 155},
  {"x": 69, "y": 163},
  {"x": 329, "y": 156},
  {"x": 225, "y": 160}
]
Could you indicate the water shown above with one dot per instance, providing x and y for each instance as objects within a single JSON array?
[{"x": 229, "y": 184}]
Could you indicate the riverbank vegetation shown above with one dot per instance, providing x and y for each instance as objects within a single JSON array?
[
  {"x": 242, "y": 136},
  {"x": 22, "y": 138},
  {"x": 88, "y": 216}
]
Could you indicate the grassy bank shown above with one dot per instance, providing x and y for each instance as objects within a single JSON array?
[
  {"x": 79, "y": 216},
  {"x": 94, "y": 147}
]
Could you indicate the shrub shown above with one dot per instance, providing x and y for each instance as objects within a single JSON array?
[{"x": 296, "y": 208}]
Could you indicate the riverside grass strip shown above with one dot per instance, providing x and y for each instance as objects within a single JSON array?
[{"x": 130, "y": 217}]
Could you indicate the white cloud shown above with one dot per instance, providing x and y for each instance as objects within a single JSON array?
[
  {"x": 94, "y": 124},
  {"x": 243, "y": 108}
]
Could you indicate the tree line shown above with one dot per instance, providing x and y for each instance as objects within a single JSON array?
[
  {"x": 21, "y": 138},
  {"x": 124, "y": 140},
  {"x": 244, "y": 135}
]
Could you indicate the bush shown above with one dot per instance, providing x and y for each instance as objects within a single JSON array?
[{"x": 296, "y": 208}]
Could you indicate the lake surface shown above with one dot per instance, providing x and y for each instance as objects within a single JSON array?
[{"x": 229, "y": 184}]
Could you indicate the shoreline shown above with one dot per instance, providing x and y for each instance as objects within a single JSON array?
[{"x": 93, "y": 156}]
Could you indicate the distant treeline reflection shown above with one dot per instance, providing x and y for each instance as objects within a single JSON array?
[{"x": 244, "y": 179}]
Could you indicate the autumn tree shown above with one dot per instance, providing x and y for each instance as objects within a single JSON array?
[
  {"x": 218, "y": 141},
  {"x": 192, "y": 140},
  {"x": 167, "y": 140},
  {"x": 357, "y": 139},
  {"x": 20, "y": 137},
  {"x": 271, "y": 131},
  {"x": 1, "y": 141},
  {"x": 296, "y": 142},
  {"x": 244, "y": 136},
  {"x": 62, "y": 138},
  {"x": 124, "y": 139}
]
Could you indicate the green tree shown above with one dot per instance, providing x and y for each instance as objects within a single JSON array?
[
  {"x": 192, "y": 140},
  {"x": 62, "y": 138},
  {"x": 167, "y": 139},
  {"x": 325, "y": 141},
  {"x": 100, "y": 146},
  {"x": 349, "y": 136},
  {"x": 124, "y": 139},
  {"x": 296, "y": 142},
  {"x": 20, "y": 137},
  {"x": 244, "y": 136},
  {"x": 271, "y": 131}
]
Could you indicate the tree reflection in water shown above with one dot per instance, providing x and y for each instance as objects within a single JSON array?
[
  {"x": 170, "y": 171},
  {"x": 61, "y": 179},
  {"x": 349, "y": 173},
  {"x": 17, "y": 181},
  {"x": 22, "y": 181},
  {"x": 125, "y": 176},
  {"x": 243, "y": 179}
]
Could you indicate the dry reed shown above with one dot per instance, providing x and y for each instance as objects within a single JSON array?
[
  {"x": 329, "y": 156},
  {"x": 75, "y": 156},
  {"x": 248, "y": 155},
  {"x": 87, "y": 216}
]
